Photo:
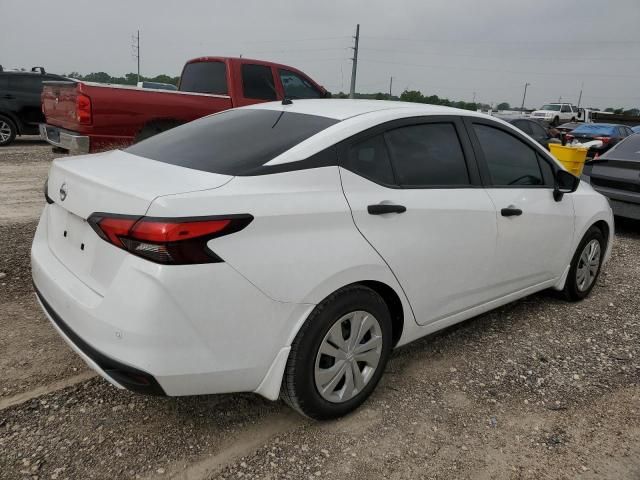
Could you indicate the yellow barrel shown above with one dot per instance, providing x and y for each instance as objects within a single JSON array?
[{"x": 571, "y": 157}]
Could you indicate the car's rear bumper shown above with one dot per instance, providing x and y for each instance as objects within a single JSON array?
[
  {"x": 177, "y": 330},
  {"x": 75, "y": 143},
  {"x": 624, "y": 203}
]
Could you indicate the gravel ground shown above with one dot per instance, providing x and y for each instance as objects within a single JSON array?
[{"x": 539, "y": 389}]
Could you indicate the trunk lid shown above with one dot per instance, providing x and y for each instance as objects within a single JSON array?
[
  {"x": 113, "y": 182},
  {"x": 616, "y": 178}
]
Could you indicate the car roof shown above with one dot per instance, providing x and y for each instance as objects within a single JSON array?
[{"x": 342, "y": 109}]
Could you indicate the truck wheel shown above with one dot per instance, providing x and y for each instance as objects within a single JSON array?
[
  {"x": 154, "y": 128},
  {"x": 8, "y": 131},
  {"x": 573, "y": 119},
  {"x": 555, "y": 122}
]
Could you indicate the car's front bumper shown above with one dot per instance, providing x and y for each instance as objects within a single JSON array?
[
  {"x": 177, "y": 330},
  {"x": 75, "y": 143}
]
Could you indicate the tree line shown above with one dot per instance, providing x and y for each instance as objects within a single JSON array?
[
  {"x": 407, "y": 96},
  {"x": 128, "y": 79}
]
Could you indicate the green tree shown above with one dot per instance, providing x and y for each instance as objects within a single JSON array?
[{"x": 504, "y": 106}]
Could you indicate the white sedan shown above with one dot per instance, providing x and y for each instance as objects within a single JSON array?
[{"x": 287, "y": 249}]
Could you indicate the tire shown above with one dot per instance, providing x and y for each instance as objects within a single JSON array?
[
  {"x": 555, "y": 122},
  {"x": 573, "y": 119},
  {"x": 307, "y": 371},
  {"x": 576, "y": 287},
  {"x": 153, "y": 128},
  {"x": 8, "y": 131}
]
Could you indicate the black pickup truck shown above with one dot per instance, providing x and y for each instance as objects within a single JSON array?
[{"x": 20, "y": 104}]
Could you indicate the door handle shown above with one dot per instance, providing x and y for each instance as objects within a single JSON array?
[
  {"x": 511, "y": 211},
  {"x": 382, "y": 208}
]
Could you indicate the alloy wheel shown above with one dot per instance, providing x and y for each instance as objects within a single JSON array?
[
  {"x": 588, "y": 265},
  {"x": 348, "y": 356},
  {"x": 5, "y": 131}
]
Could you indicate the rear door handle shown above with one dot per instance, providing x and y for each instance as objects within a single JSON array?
[
  {"x": 511, "y": 211},
  {"x": 382, "y": 208}
]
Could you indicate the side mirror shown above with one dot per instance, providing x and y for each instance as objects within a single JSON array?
[{"x": 565, "y": 183}]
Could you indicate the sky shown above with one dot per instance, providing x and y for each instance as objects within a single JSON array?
[{"x": 460, "y": 49}]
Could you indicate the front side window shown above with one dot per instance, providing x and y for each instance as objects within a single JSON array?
[
  {"x": 510, "y": 161},
  {"x": 427, "y": 155},
  {"x": 370, "y": 159},
  {"x": 296, "y": 86},
  {"x": 234, "y": 142},
  {"x": 257, "y": 82}
]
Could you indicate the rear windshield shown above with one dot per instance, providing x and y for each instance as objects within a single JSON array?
[
  {"x": 629, "y": 148},
  {"x": 595, "y": 129},
  {"x": 235, "y": 142},
  {"x": 204, "y": 77}
]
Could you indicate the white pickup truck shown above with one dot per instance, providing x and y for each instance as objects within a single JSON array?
[{"x": 557, "y": 113}]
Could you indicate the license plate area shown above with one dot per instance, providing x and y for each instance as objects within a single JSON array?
[{"x": 71, "y": 239}]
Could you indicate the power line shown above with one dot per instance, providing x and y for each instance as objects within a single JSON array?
[
  {"x": 505, "y": 42},
  {"x": 493, "y": 70}
]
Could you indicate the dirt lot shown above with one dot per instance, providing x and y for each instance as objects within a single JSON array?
[{"x": 539, "y": 389}]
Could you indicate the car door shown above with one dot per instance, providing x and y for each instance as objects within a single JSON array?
[
  {"x": 415, "y": 194},
  {"x": 535, "y": 231}
]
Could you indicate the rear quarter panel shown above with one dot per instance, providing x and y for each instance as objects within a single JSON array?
[{"x": 302, "y": 244}]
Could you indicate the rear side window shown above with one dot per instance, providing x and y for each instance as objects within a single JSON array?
[
  {"x": 296, "y": 86},
  {"x": 370, "y": 159},
  {"x": 523, "y": 125},
  {"x": 427, "y": 155},
  {"x": 537, "y": 130},
  {"x": 510, "y": 161},
  {"x": 26, "y": 83},
  {"x": 257, "y": 82},
  {"x": 235, "y": 142},
  {"x": 204, "y": 77}
]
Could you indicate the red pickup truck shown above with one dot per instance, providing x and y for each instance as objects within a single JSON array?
[{"x": 84, "y": 117}]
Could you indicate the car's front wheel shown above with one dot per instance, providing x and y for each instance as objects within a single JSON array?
[
  {"x": 585, "y": 265},
  {"x": 339, "y": 355},
  {"x": 7, "y": 131}
]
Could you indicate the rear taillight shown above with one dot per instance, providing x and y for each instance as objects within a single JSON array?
[
  {"x": 171, "y": 241},
  {"x": 604, "y": 140},
  {"x": 83, "y": 109}
]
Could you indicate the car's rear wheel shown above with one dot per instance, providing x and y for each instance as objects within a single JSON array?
[
  {"x": 8, "y": 131},
  {"x": 339, "y": 355},
  {"x": 585, "y": 265}
]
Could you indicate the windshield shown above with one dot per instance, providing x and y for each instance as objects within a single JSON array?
[
  {"x": 235, "y": 142},
  {"x": 555, "y": 108},
  {"x": 595, "y": 129}
]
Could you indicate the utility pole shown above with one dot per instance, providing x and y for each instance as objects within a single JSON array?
[
  {"x": 524, "y": 95},
  {"x": 580, "y": 96},
  {"x": 390, "y": 85},
  {"x": 354, "y": 67},
  {"x": 136, "y": 50},
  {"x": 474, "y": 98}
]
